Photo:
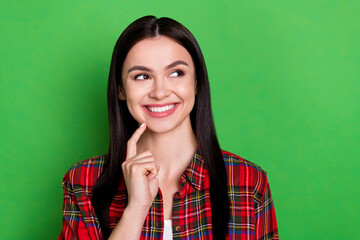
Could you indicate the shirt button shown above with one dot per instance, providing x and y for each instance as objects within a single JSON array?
[
  {"x": 177, "y": 228},
  {"x": 180, "y": 193}
]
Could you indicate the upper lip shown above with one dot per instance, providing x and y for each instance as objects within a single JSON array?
[{"x": 160, "y": 105}]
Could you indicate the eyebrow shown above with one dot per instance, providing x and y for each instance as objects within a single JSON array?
[
  {"x": 178, "y": 62},
  {"x": 171, "y": 65},
  {"x": 141, "y": 68}
]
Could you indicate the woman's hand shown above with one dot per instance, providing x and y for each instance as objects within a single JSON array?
[{"x": 140, "y": 173}]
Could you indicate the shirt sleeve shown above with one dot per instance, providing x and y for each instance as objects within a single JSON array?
[
  {"x": 74, "y": 226},
  {"x": 265, "y": 219}
]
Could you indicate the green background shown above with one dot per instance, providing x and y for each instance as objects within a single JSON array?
[{"x": 285, "y": 81}]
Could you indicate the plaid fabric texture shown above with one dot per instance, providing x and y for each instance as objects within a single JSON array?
[{"x": 251, "y": 206}]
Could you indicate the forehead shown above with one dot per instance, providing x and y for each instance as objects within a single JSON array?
[{"x": 156, "y": 52}]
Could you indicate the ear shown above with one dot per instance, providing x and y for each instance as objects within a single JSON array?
[{"x": 121, "y": 94}]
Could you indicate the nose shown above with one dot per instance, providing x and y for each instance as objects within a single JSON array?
[{"x": 160, "y": 89}]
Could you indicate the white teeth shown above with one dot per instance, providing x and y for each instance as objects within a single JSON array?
[{"x": 161, "y": 109}]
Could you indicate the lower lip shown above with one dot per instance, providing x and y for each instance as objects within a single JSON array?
[{"x": 161, "y": 114}]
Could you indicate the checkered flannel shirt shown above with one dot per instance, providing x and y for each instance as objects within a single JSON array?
[{"x": 252, "y": 214}]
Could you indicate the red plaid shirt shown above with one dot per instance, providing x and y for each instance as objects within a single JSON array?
[{"x": 252, "y": 214}]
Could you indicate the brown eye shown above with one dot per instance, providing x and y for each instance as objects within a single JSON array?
[
  {"x": 141, "y": 77},
  {"x": 177, "y": 73}
]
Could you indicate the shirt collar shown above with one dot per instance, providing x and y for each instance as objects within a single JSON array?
[{"x": 195, "y": 173}]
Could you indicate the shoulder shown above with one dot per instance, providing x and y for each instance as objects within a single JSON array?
[
  {"x": 84, "y": 173},
  {"x": 243, "y": 173},
  {"x": 231, "y": 160}
]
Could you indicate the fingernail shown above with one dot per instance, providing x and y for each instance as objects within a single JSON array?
[
  {"x": 157, "y": 176},
  {"x": 143, "y": 124}
]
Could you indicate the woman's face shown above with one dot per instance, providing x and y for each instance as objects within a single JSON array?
[{"x": 159, "y": 84}]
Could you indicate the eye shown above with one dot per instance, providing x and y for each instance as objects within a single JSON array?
[
  {"x": 177, "y": 73},
  {"x": 141, "y": 77}
]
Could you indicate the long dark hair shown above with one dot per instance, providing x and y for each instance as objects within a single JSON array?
[{"x": 123, "y": 125}]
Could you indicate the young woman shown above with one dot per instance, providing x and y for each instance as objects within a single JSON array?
[{"x": 165, "y": 176}]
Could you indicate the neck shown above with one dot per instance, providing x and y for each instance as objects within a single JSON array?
[{"x": 173, "y": 150}]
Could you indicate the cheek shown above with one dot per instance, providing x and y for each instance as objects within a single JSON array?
[
  {"x": 188, "y": 96},
  {"x": 133, "y": 93},
  {"x": 188, "y": 90},
  {"x": 132, "y": 100}
]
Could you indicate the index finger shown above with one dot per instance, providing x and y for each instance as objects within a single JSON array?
[{"x": 131, "y": 144}]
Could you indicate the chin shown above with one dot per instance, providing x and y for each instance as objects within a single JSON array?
[
  {"x": 168, "y": 125},
  {"x": 160, "y": 128}
]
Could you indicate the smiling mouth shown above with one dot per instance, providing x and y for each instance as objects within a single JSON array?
[{"x": 161, "y": 109}]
